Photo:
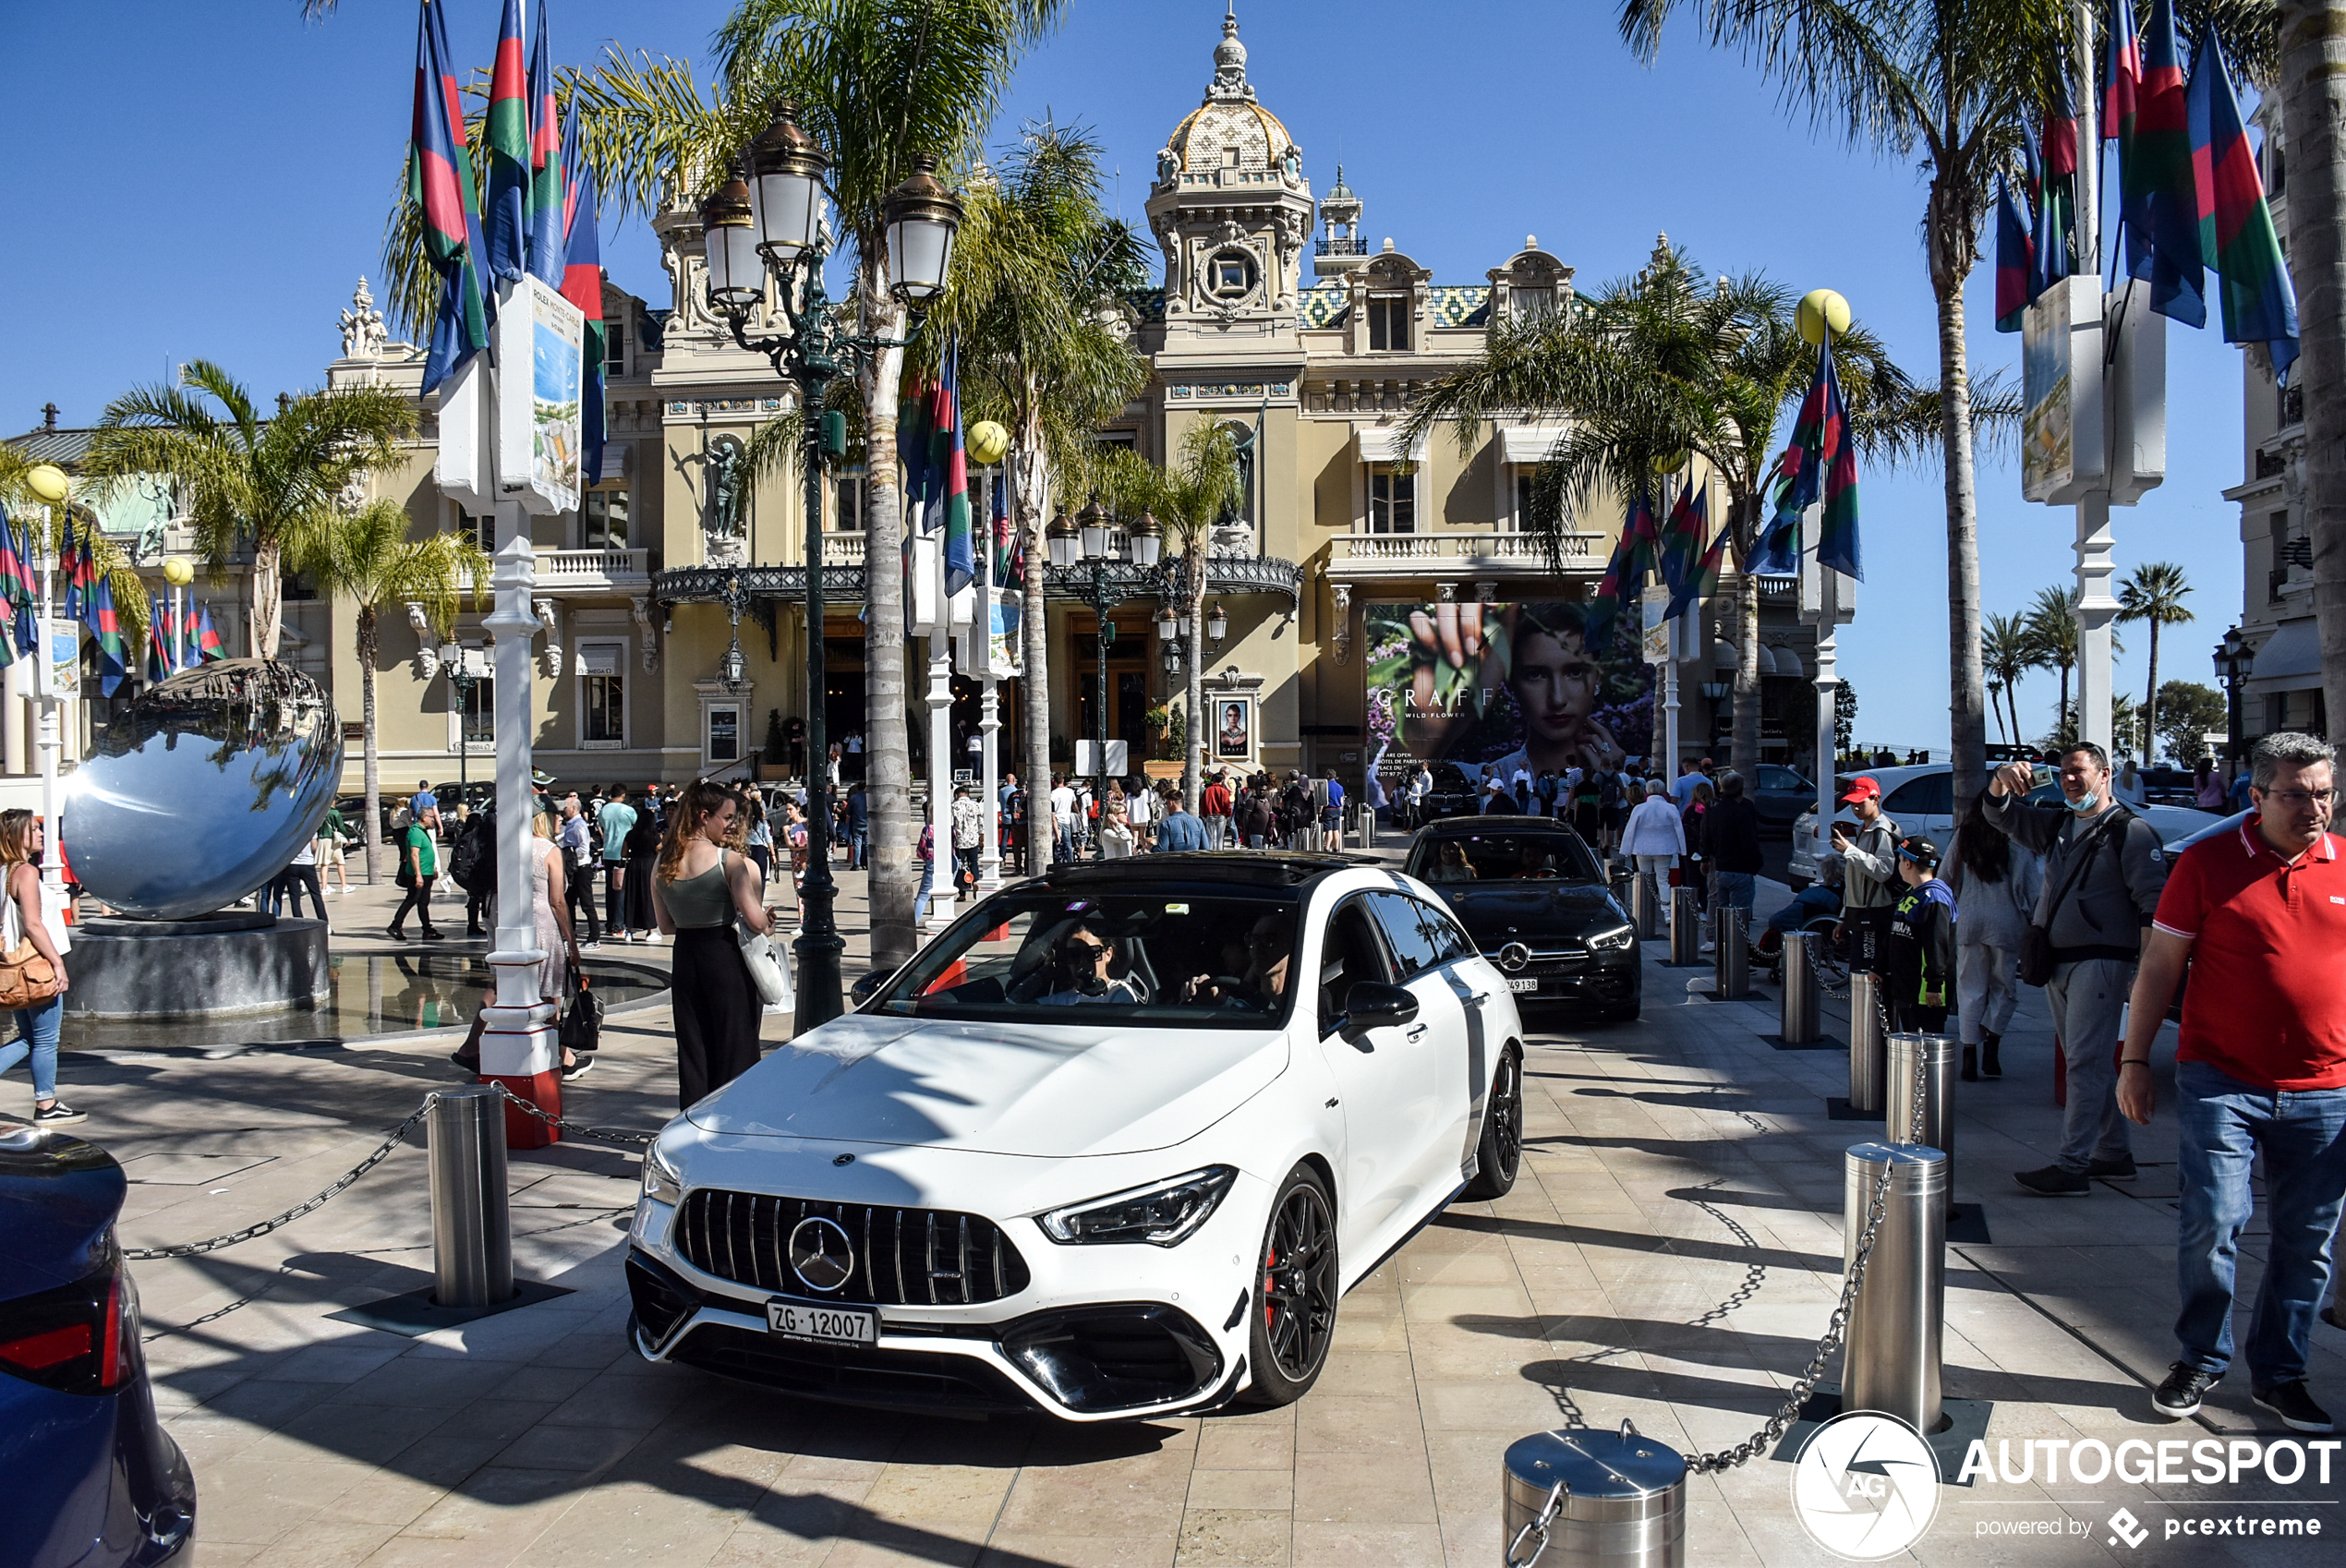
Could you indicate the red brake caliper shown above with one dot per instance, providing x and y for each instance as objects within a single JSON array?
[{"x": 1270, "y": 1263}]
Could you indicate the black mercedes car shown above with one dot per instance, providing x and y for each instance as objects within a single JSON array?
[{"x": 1534, "y": 899}]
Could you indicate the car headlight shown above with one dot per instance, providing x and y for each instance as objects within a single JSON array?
[
  {"x": 1613, "y": 941},
  {"x": 660, "y": 1180},
  {"x": 1163, "y": 1214}
]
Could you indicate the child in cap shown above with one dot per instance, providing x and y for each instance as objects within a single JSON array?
[{"x": 1919, "y": 960}]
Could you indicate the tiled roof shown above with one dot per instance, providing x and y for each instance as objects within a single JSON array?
[
  {"x": 1453, "y": 304},
  {"x": 65, "y": 448}
]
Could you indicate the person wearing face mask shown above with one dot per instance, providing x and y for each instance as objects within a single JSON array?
[
  {"x": 2104, "y": 871},
  {"x": 1085, "y": 954}
]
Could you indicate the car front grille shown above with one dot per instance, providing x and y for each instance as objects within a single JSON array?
[
  {"x": 904, "y": 1257},
  {"x": 851, "y": 1374}
]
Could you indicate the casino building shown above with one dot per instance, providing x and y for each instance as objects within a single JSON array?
[{"x": 1276, "y": 314}]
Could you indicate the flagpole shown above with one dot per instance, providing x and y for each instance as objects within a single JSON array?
[
  {"x": 943, "y": 902},
  {"x": 989, "y": 715},
  {"x": 53, "y": 875},
  {"x": 2094, "y": 567}
]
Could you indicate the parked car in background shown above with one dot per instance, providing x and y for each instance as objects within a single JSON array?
[
  {"x": 1533, "y": 897},
  {"x": 1782, "y": 794},
  {"x": 93, "y": 1480},
  {"x": 2169, "y": 786},
  {"x": 1458, "y": 791}
]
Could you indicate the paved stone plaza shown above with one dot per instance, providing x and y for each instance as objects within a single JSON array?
[{"x": 1669, "y": 1257}]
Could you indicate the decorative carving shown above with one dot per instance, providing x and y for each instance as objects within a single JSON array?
[
  {"x": 1485, "y": 591},
  {"x": 549, "y": 616},
  {"x": 1342, "y": 630},
  {"x": 364, "y": 336},
  {"x": 418, "y": 619},
  {"x": 640, "y": 607},
  {"x": 1446, "y": 591},
  {"x": 723, "y": 484}
]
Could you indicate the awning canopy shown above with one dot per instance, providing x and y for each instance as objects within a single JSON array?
[
  {"x": 1528, "y": 443},
  {"x": 2291, "y": 660},
  {"x": 1381, "y": 444}
]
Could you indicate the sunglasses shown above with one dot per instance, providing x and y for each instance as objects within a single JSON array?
[{"x": 1086, "y": 949}]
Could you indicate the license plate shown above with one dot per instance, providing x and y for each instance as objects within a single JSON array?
[
  {"x": 1523, "y": 982},
  {"x": 826, "y": 1325}
]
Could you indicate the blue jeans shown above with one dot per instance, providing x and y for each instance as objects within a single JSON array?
[
  {"x": 37, "y": 1037},
  {"x": 2224, "y": 1123},
  {"x": 1735, "y": 888}
]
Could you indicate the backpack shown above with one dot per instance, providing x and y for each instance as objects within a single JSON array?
[
  {"x": 471, "y": 863},
  {"x": 1609, "y": 791}
]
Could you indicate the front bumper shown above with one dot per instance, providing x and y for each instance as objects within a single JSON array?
[{"x": 1606, "y": 979}]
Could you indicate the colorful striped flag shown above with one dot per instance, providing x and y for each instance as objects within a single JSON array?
[
  {"x": 1604, "y": 609},
  {"x": 208, "y": 644},
  {"x": 505, "y": 150},
  {"x": 2049, "y": 258},
  {"x": 1776, "y": 552},
  {"x": 1681, "y": 540},
  {"x": 1642, "y": 538},
  {"x": 1007, "y": 558},
  {"x": 440, "y": 183},
  {"x": 2158, "y": 203},
  {"x": 549, "y": 167},
  {"x": 70, "y": 572},
  {"x": 950, "y": 461},
  {"x": 2236, "y": 233},
  {"x": 2122, "y": 77},
  {"x": 2015, "y": 262},
  {"x": 2057, "y": 203},
  {"x": 1703, "y": 581},
  {"x": 1837, "y": 528},
  {"x": 582, "y": 284},
  {"x": 159, "y": 665},
  {"x": 105, "y": 630},
  {"x": 18, "y": 588}
]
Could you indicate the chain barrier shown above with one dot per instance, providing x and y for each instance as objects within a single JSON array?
[
  {"x": 1540, "y": 1525},
  {"x": 382, "y": 1151}
]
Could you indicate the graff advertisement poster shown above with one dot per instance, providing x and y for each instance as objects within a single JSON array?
[{"x": 1490, "y": 685}]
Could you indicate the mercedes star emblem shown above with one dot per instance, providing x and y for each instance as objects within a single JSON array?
[
  {"x": 821, "y": 1255},
  {"x": 1514, "y": 955}
]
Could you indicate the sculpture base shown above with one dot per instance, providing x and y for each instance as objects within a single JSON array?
[{"x": 211, "y": 966}]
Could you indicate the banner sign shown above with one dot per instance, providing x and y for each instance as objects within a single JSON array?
[{"x": 540, "y": 347}]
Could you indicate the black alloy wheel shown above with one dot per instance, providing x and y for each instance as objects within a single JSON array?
[
  {"x": 1295, "y": 1292},
  {"x": 1500, "y": 1153}
]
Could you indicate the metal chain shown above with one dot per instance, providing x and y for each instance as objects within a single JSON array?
[
  {"x": 577, "y": 1129},
  {"x": 390, "y": 1141},
  {"x": 1540, "y": 1527}
]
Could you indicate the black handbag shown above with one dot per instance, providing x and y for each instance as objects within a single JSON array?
[
  {"x": 2040, "y": 960},
  {"x": 582, "y": 1026},
  {"x": 406, "y": 875}
]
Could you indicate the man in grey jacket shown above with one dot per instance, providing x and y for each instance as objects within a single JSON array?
[
  {"x": 2095, "y": 930},
  {"x": 1869, "y": 884}
]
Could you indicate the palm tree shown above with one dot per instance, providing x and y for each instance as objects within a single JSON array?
[
  {"x": 879, "y": 84},
  {"x": 2154, "y": 593},
  {"x": 2008, "y": 651},
  {"x": 243, "y": 479},
  {"x": 1036, "y": 302},
  {"x": 2053, "y": 627},
  {"x": 1667, "y": 364},
  {"x": 28, "y": 511},
  {"x": 1954, "y": 82},
  {"x": 369, "y": 557}
]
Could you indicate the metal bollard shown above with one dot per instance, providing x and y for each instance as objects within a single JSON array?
[
  {"x": 472, "y": 1241},
  {"x": 1578, "y": 1498},
  {"x": 1686, "y": 928},
  {"x": 1891, "y": 1363},
  {"x": 1367, "y": 827},
  {"x": 1645, "y": 905},
  {"x": 1932, "y": 1055},
  {"x": 1869, "y": 1060},
  {"x": 1800, "y": 1023},
  {"x": 1731, "y": 947}
]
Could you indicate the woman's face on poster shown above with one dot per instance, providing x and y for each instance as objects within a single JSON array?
[{"x": 1554, "y": 682}]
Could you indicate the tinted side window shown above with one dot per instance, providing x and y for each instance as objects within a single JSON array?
[
  {"x": 1415, "y": 951},
  {"x": 1931, "y": 796},
  {"x": 1449, "y": 940},
  {"x": 1352, "y": 952}
]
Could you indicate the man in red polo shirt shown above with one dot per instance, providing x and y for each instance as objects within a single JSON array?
[{"x": 2260, "y": 914}]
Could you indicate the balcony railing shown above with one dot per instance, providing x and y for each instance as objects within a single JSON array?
[
  {"x": 1340, "y": 246},
  {"x": 842, "y": 550},
  {"x": 592, "y": 570},
  {"x": 1417, "y": 555}
]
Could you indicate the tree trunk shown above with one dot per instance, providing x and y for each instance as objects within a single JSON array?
[
  {"x": 1966, "y": 714},
  {"x": 1744, "y": 754},
  {"x": 268, "y": 597},
  {"x": 2061, "y": 727},
  {"x": 1034, "y": 646},
  {"x": 367, "y": 652},
  {"x": 887, "y": 773},
  {"x": 2150, "y": 698},
  {"x": 1193, "y": 753},
  {"x": 2312, "y": 105}
]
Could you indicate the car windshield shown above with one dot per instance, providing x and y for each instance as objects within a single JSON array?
[
  {"x": 1174, "y": 957},
  {"x": 1450, "y": 777},
  {"x": 1503, "y": 857}
]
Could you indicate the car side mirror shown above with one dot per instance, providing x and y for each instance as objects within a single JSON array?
[
  {"x": 1372, "y": 1004},
  {"x": 870, "y": 985}
]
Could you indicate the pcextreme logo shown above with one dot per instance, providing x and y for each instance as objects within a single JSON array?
[{"x": 1865, "y": 1487}]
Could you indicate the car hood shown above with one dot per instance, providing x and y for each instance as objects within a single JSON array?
[
  {"x": 1046, "y": 1091},
  {"x": 1495, "y": 913}
]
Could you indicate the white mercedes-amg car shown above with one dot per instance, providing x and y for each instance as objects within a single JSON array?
[{"x": 1113, "y": 1145}]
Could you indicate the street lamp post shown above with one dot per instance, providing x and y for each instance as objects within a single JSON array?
[
  {"x": 456, "y": 660},
  {"x": 50, "y": 484},
  {"x": 1088, "y": 539},
  {"x": 766, "y": 232},
  {"x": 2235, "y": 660}
]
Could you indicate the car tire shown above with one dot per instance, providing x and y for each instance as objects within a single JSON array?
[
  {"x": 1295, "y": 1292},
  {"x": 1498, "y": 1154},
  {"x": 1626, "y": 1012}
]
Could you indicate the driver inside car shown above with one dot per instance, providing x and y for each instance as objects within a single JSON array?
[
  {"x": 1530, "y": 865},
  {"x": 1085, "y": 954},
  {"x": 1270, "y": 945}
]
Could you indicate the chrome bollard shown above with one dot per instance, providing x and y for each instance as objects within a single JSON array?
[
  {"x": 1890, "y": 1362},
  {"x": 1686, "y": 928},
  {"x": 472, "y": 1242},
  {"x": 1800, "y": 1023},
  {"x": 1367, "y": 827},
  {"x": 1731, "y": 949},
  {"x": 1934, "y": 1056},
  {"x": 1645, "y": 905},
  {"x": 1868, "y": 1061},
  {"x": 1581, "y": 1498}
]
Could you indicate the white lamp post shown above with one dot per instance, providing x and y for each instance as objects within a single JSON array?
[{"x": 50, "y": 482}]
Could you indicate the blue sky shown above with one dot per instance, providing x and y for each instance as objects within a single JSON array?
[{"x": 220, "y": 193}]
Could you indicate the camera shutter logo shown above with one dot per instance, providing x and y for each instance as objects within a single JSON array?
[
  {"x": 1865, "y": 1486},
  {"x": 821, "y": 1255}
]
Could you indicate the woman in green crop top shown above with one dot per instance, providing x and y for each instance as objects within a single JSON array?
[{"x": 699, "y": 892}]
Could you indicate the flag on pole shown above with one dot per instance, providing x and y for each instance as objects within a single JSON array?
[
  {"x": 2121, "y": 76},
  {"x": 1681, "y": 540},
  {"x": 1007, "y": 565},
  {"x": 1642, "y": 540},
  {"x": 950, "y": 462},
  {"x": 440, "y": 183},
  {"x": 208, "y": 644},
  {"x": 1837, "y": 528},
  {"x": 2158, "y": 204},
  {"x": 582, "y": 284},
  {"x": 2236, "y": 233},
  {"x": 69, "y": 574},
  {"x": 549, "y": 166},
  {"x": 2057, "y": 205},
  {"x": 1605, "y": 606},
  {"x": 505, "y": 149},
  {"x": 17, "y": 586},
  {"x": 2015, "y": 262},
  {"x": 105, "y": 630},
  {"x": 1776, "y": 552},
  {"x": 2049, "y": 253},
  {"x": 158, "y": 654},
  {"x": 1703, "y": 581}
]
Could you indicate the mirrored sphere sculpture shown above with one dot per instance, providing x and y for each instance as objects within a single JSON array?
[{"x": 202, "y": 789}]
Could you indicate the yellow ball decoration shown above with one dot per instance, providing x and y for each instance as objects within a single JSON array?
[
  {"x": 1821, "y": 308},
  {"x": 177, "y": 572},
  {"x": 48, "y": 481},
  {"x": 987, "y": 443}
]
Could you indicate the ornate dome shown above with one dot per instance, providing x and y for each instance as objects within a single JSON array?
[{"x": 1230, "y": 118}]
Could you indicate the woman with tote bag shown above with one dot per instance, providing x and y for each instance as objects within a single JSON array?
[
  {"x": 33, "y": 969},
  {"x": 703, "y": 896}
]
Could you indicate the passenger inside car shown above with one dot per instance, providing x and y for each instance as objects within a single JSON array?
[
  {"x": 1453, "y": 864},
  {"x": 1262, "y": 982}
]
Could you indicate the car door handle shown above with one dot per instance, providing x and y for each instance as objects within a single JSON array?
[
  {"x": 1478, "y": 998},
  {"x": 1414, "y": 1031}
]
